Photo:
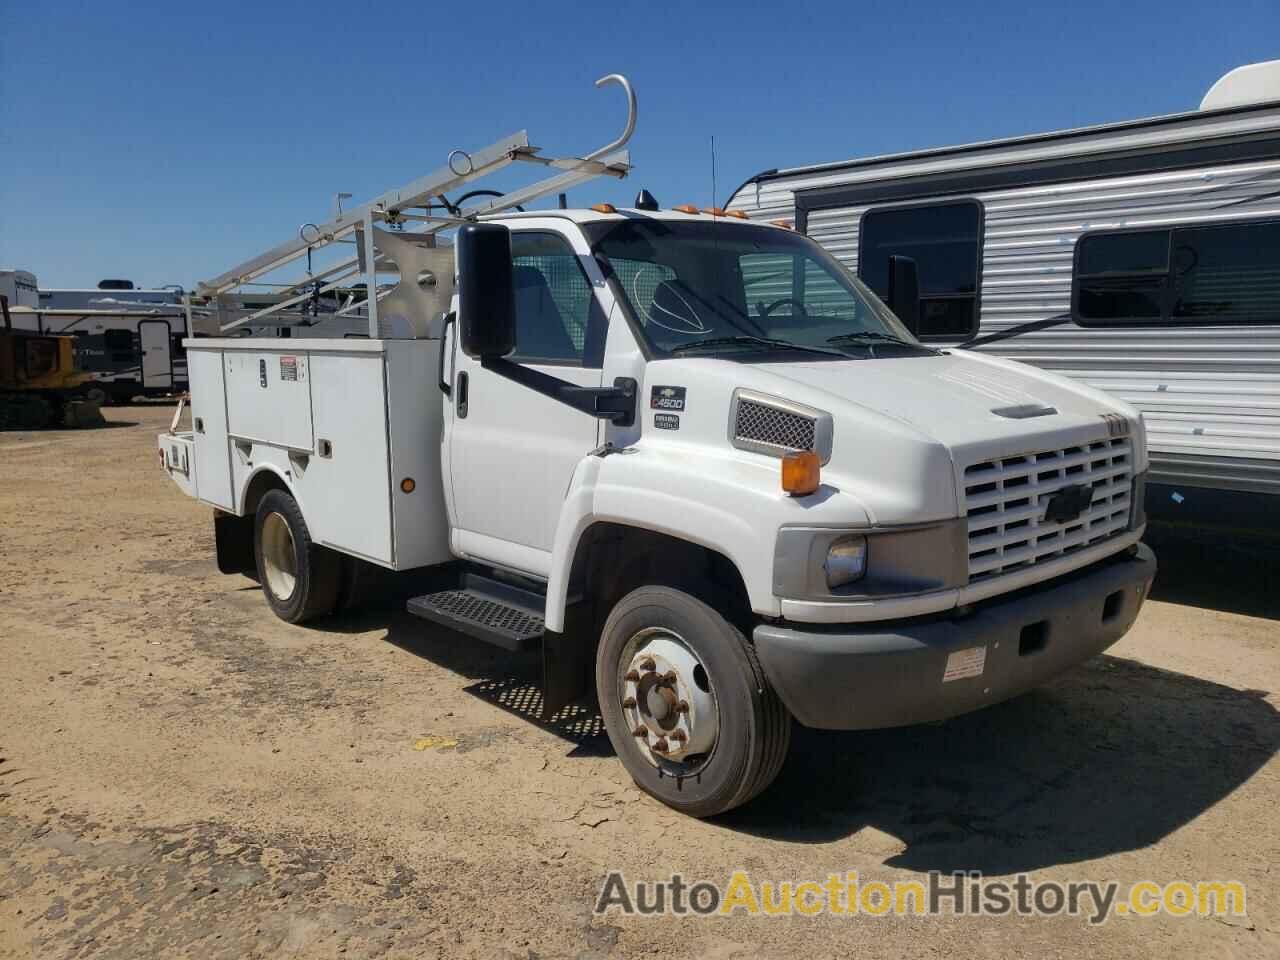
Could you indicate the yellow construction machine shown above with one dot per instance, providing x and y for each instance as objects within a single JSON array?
[{"x": 40, "y": 383}]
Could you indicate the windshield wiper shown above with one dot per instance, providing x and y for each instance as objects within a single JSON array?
[
  {"x": 754, "y": 341},
  {"x": 861, "y": 335}
]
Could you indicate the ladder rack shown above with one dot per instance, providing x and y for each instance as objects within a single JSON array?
[{"x": 297, "y": 301}]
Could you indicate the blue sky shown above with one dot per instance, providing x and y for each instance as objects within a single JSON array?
[{"x": 165, "y": 142}]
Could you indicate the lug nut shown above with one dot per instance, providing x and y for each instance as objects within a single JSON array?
[
  {"x": 661, "y": 745},
  {"x": 669, "y": 678},
  {"x": 682, "y": 706},
  {"x": 640, "y": 731},
  {"x": 628, "y": 703},
  {"x": 647, "y": 664},
  {"x": 632, "y": 676},
  {"x": 679, "y": 736}
]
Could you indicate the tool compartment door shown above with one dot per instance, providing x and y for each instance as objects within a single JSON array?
[
  {"x": 212, "y": 466},
  {"x": 345, "y": 488}
]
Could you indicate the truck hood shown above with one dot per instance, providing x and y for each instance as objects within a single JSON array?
[
  {"x": 903, "y": 429},
  {"x": 978, "y": 406}
]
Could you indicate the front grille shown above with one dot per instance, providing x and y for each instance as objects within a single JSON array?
[
  {"x": 758, "y": 423},
  {"x": 1006, "y": 500}
]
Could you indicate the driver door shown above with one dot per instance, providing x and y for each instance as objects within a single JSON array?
[{"x": 513, "y": 452}]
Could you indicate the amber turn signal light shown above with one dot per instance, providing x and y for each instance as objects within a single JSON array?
[{"x": 801, "y": 473}]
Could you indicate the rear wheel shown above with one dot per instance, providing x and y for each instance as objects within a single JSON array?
[
  {"x": 298, "y": 577},
  {"x": 687, "y": 706}
]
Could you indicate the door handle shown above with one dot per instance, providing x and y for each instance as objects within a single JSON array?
[
  {"x": 444, "y": 337},
  {"x": 460, "y": 401}
]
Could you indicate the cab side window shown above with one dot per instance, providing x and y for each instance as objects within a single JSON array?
[{"x": 558, "y": 319}]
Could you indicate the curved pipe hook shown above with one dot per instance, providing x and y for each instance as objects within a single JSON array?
[{"x": 623, "y": 82}]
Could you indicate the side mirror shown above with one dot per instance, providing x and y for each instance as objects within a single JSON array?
[
  {"x": 486, "y": 291},
  {"x": 904, "y": 291}
]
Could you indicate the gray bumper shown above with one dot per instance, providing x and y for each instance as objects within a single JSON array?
[{"x": 887, "y": 675}]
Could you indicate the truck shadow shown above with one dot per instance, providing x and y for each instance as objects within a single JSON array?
[
  {"x": 511, "y": 682},
  {"x": 1216, "y": 571},
  {"x": 1113, "y": 756}
]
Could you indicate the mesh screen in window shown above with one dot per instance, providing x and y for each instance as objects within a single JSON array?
[{"x": 555, "y": 304}]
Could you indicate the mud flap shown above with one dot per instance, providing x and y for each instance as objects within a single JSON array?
[
  {"x": 233, "y": 541},
  {"x": 568, "y": 661}
]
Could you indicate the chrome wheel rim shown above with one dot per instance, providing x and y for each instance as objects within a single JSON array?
[
  {"x": 279, "y": 558},
  {"x": 667, "y": 701}
]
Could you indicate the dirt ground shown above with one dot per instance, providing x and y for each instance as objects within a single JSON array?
[{"x": 183, "y": 775}]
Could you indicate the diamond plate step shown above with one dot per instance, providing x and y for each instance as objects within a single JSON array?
[{"x": 488, "y": 610}]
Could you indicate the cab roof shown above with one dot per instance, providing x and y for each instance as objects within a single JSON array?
[{"x": 587, "y": 215}]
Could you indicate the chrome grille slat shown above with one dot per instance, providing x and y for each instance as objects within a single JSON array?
[{"x": 1006, "y": 498}]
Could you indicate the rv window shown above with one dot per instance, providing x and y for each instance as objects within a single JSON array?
[
  {"x": 1179, "y": 276},
  {"x": 944, "y": 239},
  {"x": 121, "y": 340},
  {"x": 556, "y": 309}
]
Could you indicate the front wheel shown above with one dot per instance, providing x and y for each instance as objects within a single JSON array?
[
  {"x": 686, "y": 704},
  {"x": 298, "y": 577}
]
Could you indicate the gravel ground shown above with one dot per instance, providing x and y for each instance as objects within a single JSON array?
[{"x": 183, "y": 775}]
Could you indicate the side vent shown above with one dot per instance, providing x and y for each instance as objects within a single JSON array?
[{"x": 776, "y": 427}]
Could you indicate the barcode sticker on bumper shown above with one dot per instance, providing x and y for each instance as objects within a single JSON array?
[{"x": 965, "y": 663}]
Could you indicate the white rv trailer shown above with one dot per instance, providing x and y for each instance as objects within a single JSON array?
[
  {"x": 132, "y": 340},
  {"x": 129, "y": 339},
  {"x": 1160, "y": 236},
  {"x": 728, "y": 513},
  {"x": 20, "y": 288}
]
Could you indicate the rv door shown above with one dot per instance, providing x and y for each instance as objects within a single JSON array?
[{"x": 157, "y": 361}]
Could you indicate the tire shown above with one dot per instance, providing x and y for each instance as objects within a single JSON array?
[
  {"x": 35, "y": 413},
  {"x": 657, "y": 632},
  {"x": 280, "y": 541},
  {"x": 98, "y": 395}
]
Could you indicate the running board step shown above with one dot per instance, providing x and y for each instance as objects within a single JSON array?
[{"x": 488, "y": 610}]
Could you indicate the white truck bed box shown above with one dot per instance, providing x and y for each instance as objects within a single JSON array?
[{"x": 342, "y": 423}]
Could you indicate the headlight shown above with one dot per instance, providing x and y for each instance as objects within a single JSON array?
[{"x": 846, "y": 561}]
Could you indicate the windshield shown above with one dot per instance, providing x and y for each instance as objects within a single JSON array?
[{"x": 726, "y": 289}]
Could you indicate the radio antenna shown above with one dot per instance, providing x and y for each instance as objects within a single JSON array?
[{"x": 713, "y": 170}]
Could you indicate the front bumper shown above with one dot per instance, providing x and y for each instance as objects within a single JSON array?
[{"x": 880, "y": 675}]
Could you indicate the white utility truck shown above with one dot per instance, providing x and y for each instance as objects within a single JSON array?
[{"x": 726, "y": 511}]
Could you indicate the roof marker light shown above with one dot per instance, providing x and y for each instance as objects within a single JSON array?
[
  {"x": 605, "y": 208},
  {"x": 686, "y": 208},
  {"x": 714, "y": 211},
  {"x": 740, "y": 214},
  {"x": 784, "y": 224}
]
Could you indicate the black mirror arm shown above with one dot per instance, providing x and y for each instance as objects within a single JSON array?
[
  {"x": 1031, "y": 327},
  {"x": 616, "y": 404}
]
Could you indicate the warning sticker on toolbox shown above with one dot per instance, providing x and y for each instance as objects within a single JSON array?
[
  {"x": 965, "y": 663},
  {"x": 288, "y": 368}
]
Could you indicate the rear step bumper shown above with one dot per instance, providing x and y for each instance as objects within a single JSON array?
[
  {"x": 888, "y": 675},
  {"x": 488, "y": 610}
]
